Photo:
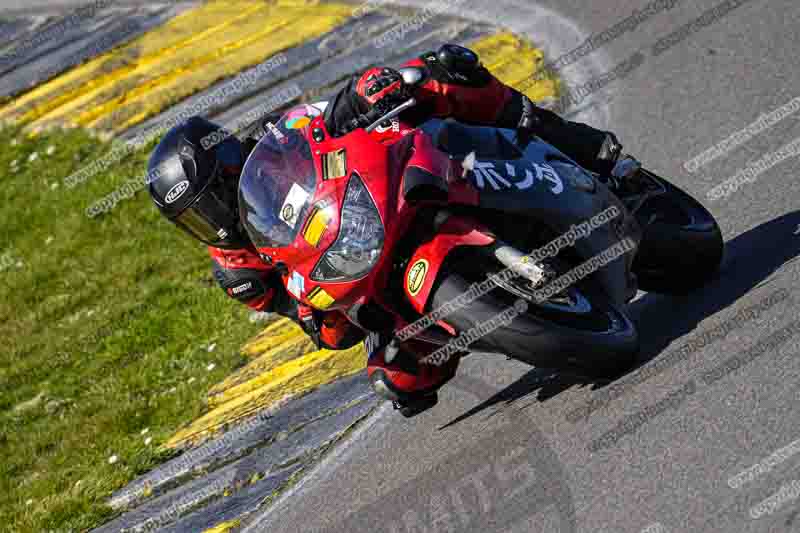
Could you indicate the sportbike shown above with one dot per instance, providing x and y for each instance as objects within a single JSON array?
[{"x": 392, "y": 224}]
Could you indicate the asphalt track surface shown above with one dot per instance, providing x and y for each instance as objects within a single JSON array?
[{"x": 509, "y": 448}]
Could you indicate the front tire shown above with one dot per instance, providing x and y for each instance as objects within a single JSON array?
[{"x": 544, "y": 337}]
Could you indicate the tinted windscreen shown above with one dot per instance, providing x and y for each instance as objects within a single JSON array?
[{"x": 277, "y": 184}]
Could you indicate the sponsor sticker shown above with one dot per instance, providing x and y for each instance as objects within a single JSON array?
[
  {"x": 334, "y": 165},
  {"x": 301, "y": 116},
  {"x": 241, "y": 288},
  {"x": 416, "y": 276},
  {"x": 489, "y": 174},
  {"x": 296, "y": 285},
  {"x": 372, "y": 342},
  {"x": 273, "y": 129},
  {"x": 177, "y": 191},
  {"x": 298, "y": 123},
  {"x": 319, "y": 298},
  {"x": 394, "y": 126},
  {"x": 293, "y": 205}
]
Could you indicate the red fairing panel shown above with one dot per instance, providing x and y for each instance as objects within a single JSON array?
[
  {"x": 428, "y": 158},
  {"x": 424, "y": 266}
]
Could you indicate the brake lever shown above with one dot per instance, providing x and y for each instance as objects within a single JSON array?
[{"x": 408, "y": 104}]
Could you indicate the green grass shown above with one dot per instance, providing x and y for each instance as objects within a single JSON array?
[{"x": 97, "y": 327}]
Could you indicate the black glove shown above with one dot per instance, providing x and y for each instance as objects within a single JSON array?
[{"x": 382, "y": 85}]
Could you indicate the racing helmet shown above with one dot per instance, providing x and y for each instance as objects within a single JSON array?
[{"x": 193, "y": 177}]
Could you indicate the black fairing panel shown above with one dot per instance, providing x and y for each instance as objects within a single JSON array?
[
  {"x": 419, "y": 184},
  {"x": 528, "y": 187},
  {"x": 459, "y": 139}
]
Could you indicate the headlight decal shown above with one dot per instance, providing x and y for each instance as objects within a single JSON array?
[
  {"x": 334, "y": 165},
  {"x": 315, "y": 228}
]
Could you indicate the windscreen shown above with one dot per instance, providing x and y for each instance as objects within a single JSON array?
[{"x": 278, "y": 181}]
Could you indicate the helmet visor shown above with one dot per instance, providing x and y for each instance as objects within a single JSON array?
[{"x": 211, "y": 219}]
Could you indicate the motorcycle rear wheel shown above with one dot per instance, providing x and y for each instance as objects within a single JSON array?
[{"x": 682, "y": 246}]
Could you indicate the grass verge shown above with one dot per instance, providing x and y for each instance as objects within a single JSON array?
[{"x": 113, "y": 330}]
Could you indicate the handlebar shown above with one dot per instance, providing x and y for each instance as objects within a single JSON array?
[{"x": 408, "y": 104}]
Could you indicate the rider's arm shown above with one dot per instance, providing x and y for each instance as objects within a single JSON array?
[
  {"x": 477, "y": 97},
  {"x": 245, "y": 278},
  {"x": 474, "y": 97}
]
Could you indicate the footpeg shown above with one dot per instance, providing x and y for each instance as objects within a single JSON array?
[{"x": 624, "y": 171}]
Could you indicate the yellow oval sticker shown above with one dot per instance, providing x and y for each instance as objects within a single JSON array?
[{"x": 416, "y": 276}]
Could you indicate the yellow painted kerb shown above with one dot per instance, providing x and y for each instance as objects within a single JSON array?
[
  {"x": 224, "y": 527},
  {"x": 517, "y": 63},
  {"x": 189, "y": 53}
]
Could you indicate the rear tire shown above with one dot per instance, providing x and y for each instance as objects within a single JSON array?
[
  {"x": 539, "y": 340},
  {"x": 682, "y": 246}
]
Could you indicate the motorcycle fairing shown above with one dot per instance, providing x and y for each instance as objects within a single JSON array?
[
  {"x": 543, "y": 186},
  {"x": 458, "y": 140},
  {"x": 423, "y": 268},
  {"x": 425, "y": 175}
]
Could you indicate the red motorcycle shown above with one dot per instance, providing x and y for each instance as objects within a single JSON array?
[{"x": 399, "y": 227}]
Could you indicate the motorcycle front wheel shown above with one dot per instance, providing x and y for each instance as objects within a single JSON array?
[{"x": 577, "y": 330}]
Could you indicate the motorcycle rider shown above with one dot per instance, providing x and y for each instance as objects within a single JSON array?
[{"x": 194, "y": 184}]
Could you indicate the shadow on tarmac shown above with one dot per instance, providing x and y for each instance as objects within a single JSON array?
[{"x": 752, "y": 260}]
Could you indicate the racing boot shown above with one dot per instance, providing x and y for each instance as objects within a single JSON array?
[{"x": 410, "y": 385}]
